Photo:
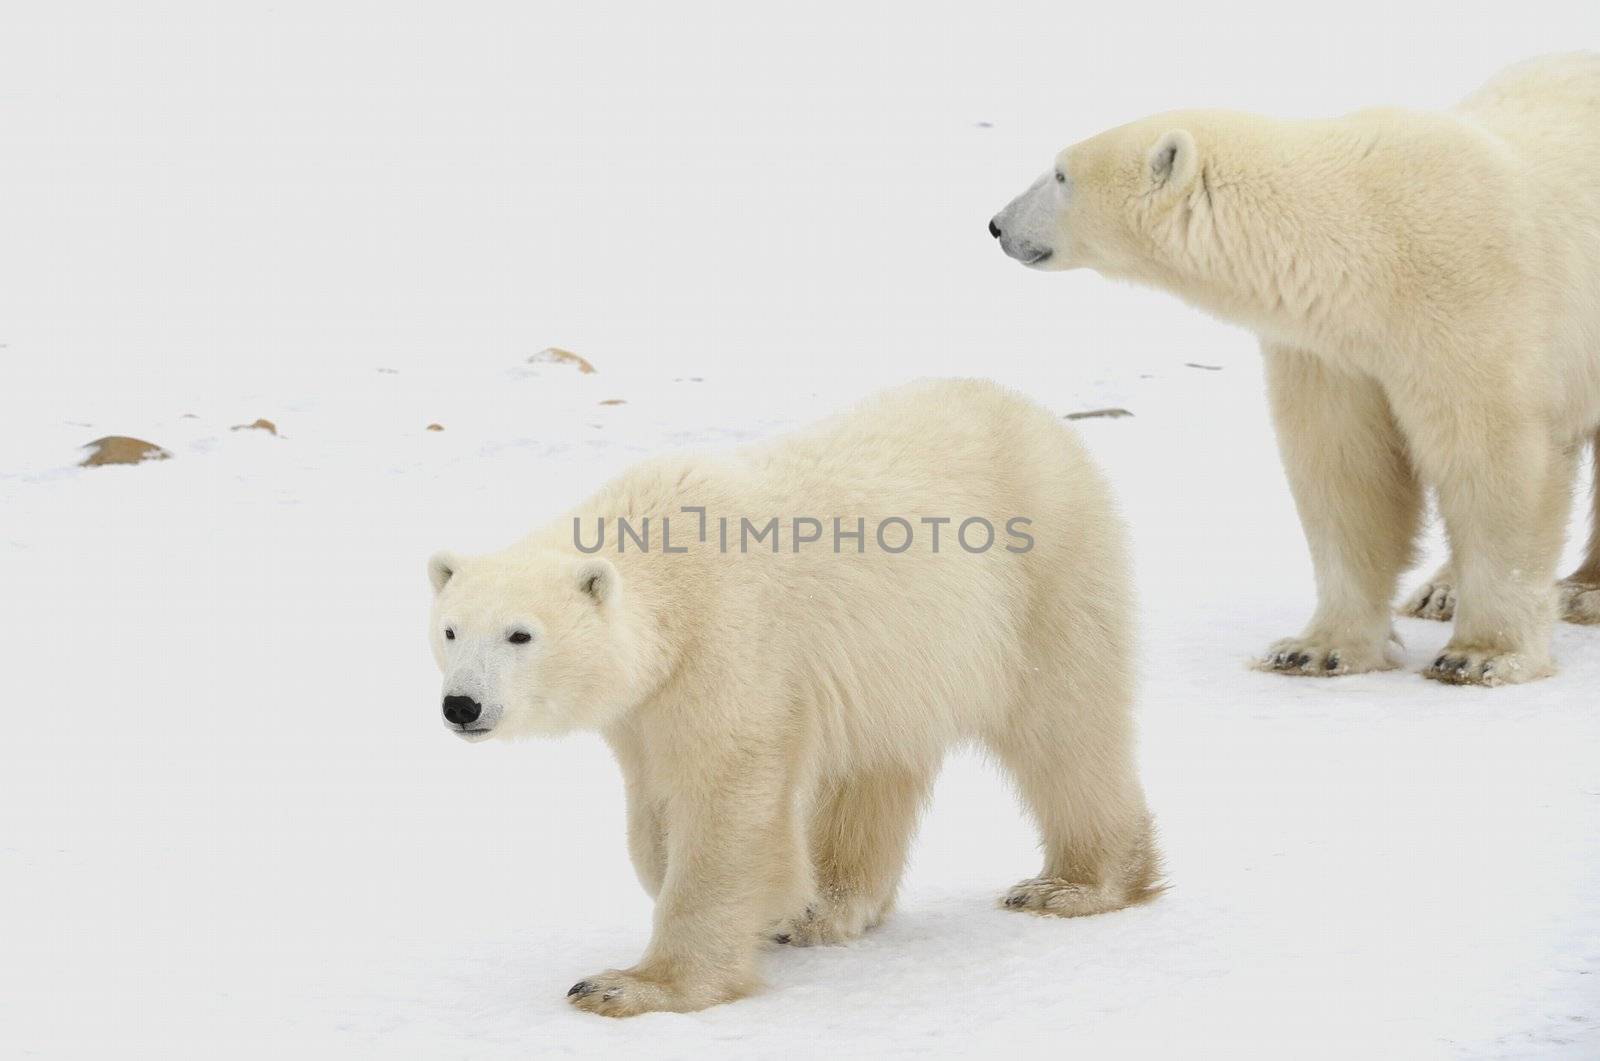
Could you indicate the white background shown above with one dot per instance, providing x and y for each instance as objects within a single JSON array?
[{"x": 230, "y": 822}]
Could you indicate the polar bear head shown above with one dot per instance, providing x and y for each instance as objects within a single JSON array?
[
  {"x": 531, "y": 643},
  {"x": 1102, "y": 202}
]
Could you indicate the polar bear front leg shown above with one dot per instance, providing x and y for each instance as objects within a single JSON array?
[
  {"x": 647, "y": 840},
  {"x": 1578, "y": 595},
  {"x": 1505, "y": 490},
  {"x": 1360, "y": 506},
  {"x": 734, "y": 857}
]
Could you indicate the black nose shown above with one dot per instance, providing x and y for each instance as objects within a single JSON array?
[
  {"x": 461, "y": 710},
  {"x": 994, "y": 229}
]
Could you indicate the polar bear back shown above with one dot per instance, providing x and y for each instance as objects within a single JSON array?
[
  {"x": 1546, "y": 113},
  {"x": 895, "y": 654}
]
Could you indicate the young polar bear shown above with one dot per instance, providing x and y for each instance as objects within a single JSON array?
[
  {"x": 779, "y": 704},
  {"x": 1427, "y": 292}
]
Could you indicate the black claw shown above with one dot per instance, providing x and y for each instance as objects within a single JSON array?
[
  {"x": 1332, "y": 662},
  {"x": 1016, "y": 900},
  {"x": 1438, "y": 664},
  {"x": 582, "y": 987},
  {"x": 781, "y": 937}
]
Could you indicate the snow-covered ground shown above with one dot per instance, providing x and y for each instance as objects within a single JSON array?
[{"x": 231, "y": 822}]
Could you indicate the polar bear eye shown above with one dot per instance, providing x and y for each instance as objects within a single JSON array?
[
  {"x": 1061, "y": 178},
  {"x": 521, "y": 637},
  {"x": 449, "y": 634}
]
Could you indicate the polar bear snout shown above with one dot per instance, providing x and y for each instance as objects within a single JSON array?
[
  {"x": 1028, "y": 227},
  {"x": 461, "y": 710},
  {"x": 1023, "y": 249}
]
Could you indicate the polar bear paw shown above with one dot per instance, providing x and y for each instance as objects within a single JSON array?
[
  {"x": 1321, "y": 658},
  {"x": 1434, "y": 599},
  {"x": 828, "y": 922},
  {"x": 1487, "y": 667},
  {"x": 1053, "y": 897},
  {"x": 620, "y": 993},
  {"x": 1580, "y": 601}
]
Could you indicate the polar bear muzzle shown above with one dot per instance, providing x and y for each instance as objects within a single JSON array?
[{"x": 1026, "y": 228}]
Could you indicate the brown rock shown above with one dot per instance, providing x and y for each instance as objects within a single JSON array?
[
  {"x": 120, "y": 449},
  {"x": 434, "y": 427},
  {"x": 260, "y": 425},
  {"x": 615, "y": 401},
  {"x": 556, "y": 356}
]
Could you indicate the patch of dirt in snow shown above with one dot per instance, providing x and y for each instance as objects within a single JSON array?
[
  {"x": 121, "y": 449},
  {"x": 554, "y": 355}
]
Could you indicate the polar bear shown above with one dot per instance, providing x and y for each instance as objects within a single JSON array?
[
  {"x": 1426, "y": 287},
  {"x": 779, "y": 645}
]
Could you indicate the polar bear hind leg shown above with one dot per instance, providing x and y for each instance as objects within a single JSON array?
[
  {"x": 1580, "y": 591},
  {"x": 860, "y": 835},
  {"x": 1073, "y": 766},
  {"x": 1435, "y": 599}
]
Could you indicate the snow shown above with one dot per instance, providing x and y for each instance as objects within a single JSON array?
[{"x": 231, "y": 820}]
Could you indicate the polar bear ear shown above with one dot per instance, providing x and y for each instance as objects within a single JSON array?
[
  {"x": 1173, "y": 159},
  {"x": 598, "y": 579},
  {"x": 441, "y": 566}
]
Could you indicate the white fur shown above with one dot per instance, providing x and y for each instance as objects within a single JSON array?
[
  {"x": 779, "y": 716},
  {"x": 1427, "y": 291}
]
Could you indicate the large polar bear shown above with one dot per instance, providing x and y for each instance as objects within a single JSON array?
[
  {"x": 945, "y": 565},
  {"x": 1427, "y": 292}
]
